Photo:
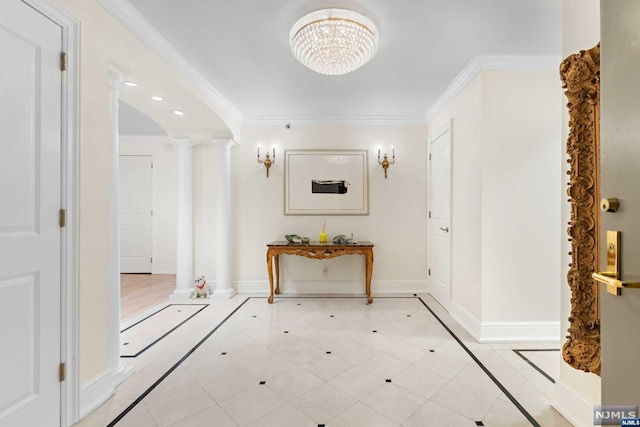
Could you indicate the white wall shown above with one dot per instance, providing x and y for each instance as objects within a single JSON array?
[
  {"x": 505, "y": 213},
  {"x": 396, "y": 223},
  {"x": 521, "y": 132},
  {"x": 575, "y": 392},
  {"x": 164, "y": 197},
  {"x": 466, "y": 188}
]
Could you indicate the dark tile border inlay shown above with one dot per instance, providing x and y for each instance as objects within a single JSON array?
[
  {"x": 484, "y": 368},
  {"x": 132, "y": 356},
  {"x": 173, "y": 368},
  {"x": 533, "y": 365}
]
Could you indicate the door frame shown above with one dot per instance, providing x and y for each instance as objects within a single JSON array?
[
  {"x": 70, "y": 388},
  {"x": 439, "y": 131}
]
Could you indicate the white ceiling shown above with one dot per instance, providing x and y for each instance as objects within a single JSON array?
[
  {"x": 132, "y": 121},
  {"x": 241, "y": 48}
]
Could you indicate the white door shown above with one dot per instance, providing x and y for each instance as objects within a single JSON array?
[
  {"x": 135, "y": 214},
  {"x": 620, "y": 177},
  {"x": 30, "y": 185},
  {"x": 439, "y": 274}
]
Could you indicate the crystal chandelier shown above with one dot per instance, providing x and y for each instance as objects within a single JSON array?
[{"x": 333, "y": 41}]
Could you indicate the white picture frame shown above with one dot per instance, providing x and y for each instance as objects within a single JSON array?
[{"x": 326, "y": 182}]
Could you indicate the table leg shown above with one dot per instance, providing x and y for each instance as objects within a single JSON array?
[
  {"x": 270, "y": 271},
  {"x": 368, "y": 275},
  {"x": 277, "y": 259}
]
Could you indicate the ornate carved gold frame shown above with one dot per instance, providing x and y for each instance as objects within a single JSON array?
[{"x": 580, "y": 75}]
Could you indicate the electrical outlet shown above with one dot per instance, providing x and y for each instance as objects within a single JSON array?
[{"x": 325, "y": 272}]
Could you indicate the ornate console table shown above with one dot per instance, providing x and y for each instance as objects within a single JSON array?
[{"x": 317, "y": 250}]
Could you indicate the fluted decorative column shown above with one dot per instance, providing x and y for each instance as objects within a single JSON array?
[
  {"x": 184, "y": 248},
  {"x": 118, "y": 370},
  {"x": 223, "y": 287}
]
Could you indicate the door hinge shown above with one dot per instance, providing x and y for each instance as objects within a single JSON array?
[
  {"x": 429, "y": 156},
  {"x": 151, "y": 165},
  {"x": 429, "y": 214},
  {"x": 62, "y": 218},
  {"x": 428, "y": 272},
  {"x": 63, "y": 61},
  {"x": 151, "y": 212},
  {"x": 151, "y": 259},
  {"x": 62, "y": 372}
]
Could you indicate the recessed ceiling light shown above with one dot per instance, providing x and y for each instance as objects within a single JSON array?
[
  {"x": 131, "y": 84},
  {"x": 157, "y": 98},
  {"x": 178, "y": 113}
]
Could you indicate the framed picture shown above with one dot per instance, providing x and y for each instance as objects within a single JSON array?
[{"x": 326, "y": 182}]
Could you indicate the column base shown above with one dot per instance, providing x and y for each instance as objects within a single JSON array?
[
  {"x": 223, "y": 293},
  {"x": 181, "y": 293}
]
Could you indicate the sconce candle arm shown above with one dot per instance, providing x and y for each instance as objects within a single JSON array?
[
  {"x": 268, "y": 160},
  {"x": 385, "y": 163}
]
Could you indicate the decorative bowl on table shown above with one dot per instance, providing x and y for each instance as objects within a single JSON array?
[
  {"x": 342, "y": 239},
  {"x": 305, "y": 239},
  {"x": 293, "y": 238}
]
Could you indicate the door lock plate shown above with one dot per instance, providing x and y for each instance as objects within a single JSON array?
[{"x": 611, "y": 276}]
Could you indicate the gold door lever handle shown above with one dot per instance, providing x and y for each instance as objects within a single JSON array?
[{"x": 609, "y": 278}]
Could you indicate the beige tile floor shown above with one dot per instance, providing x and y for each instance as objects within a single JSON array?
[{"x": 334, "y": 361}]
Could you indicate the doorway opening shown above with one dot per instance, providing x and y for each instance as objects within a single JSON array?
[{"x": 148, "y": 215}]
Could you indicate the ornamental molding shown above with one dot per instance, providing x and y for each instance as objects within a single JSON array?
[{"x": 580, "y": 75}]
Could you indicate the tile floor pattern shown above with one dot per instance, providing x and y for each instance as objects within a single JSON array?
[
  {"x": 327, "y": 361},
  {"x": 140, "y": 336},
  {"x": 545, "y": 360}
]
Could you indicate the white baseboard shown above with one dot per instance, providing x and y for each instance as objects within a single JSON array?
[
  {"x": 332, "y": 287},
  {"x": 571, "y": 405},
  {"x": 519, "y": 331},
  {"x": 467, "y": 320},
  {"x": 163, "y": 269},
  {"x": 488, "y": 332},
  {"x": 98, "y": 390}
]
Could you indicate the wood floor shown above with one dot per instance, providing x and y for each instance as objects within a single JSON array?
[{"x": 141, "y": 291}]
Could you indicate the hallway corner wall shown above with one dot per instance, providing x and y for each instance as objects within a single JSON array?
[{"x": 505, "y": 214}]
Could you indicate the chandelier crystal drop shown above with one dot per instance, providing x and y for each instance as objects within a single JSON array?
[{"x": 333, "y": 41}]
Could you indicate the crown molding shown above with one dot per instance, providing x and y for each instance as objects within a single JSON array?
[
  {"x": 482, "y": 63},
  {"x": 335, "y": 120},
  {"x": 133, "y": 21}
]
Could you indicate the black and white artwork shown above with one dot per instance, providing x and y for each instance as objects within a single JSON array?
[
  {"x": 326, "y": 182},
  {"x": 332, "y": 186}
]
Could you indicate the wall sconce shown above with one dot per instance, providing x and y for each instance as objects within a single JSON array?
[
  {"x": 385, "y": 163},
  {"x": 268, "y": 160}
]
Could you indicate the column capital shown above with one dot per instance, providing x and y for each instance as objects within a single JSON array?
[
  {"x": 183, "y": 143},
  {"x": 115, "y": 80},
  {"x": 224, "y": 144}
]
